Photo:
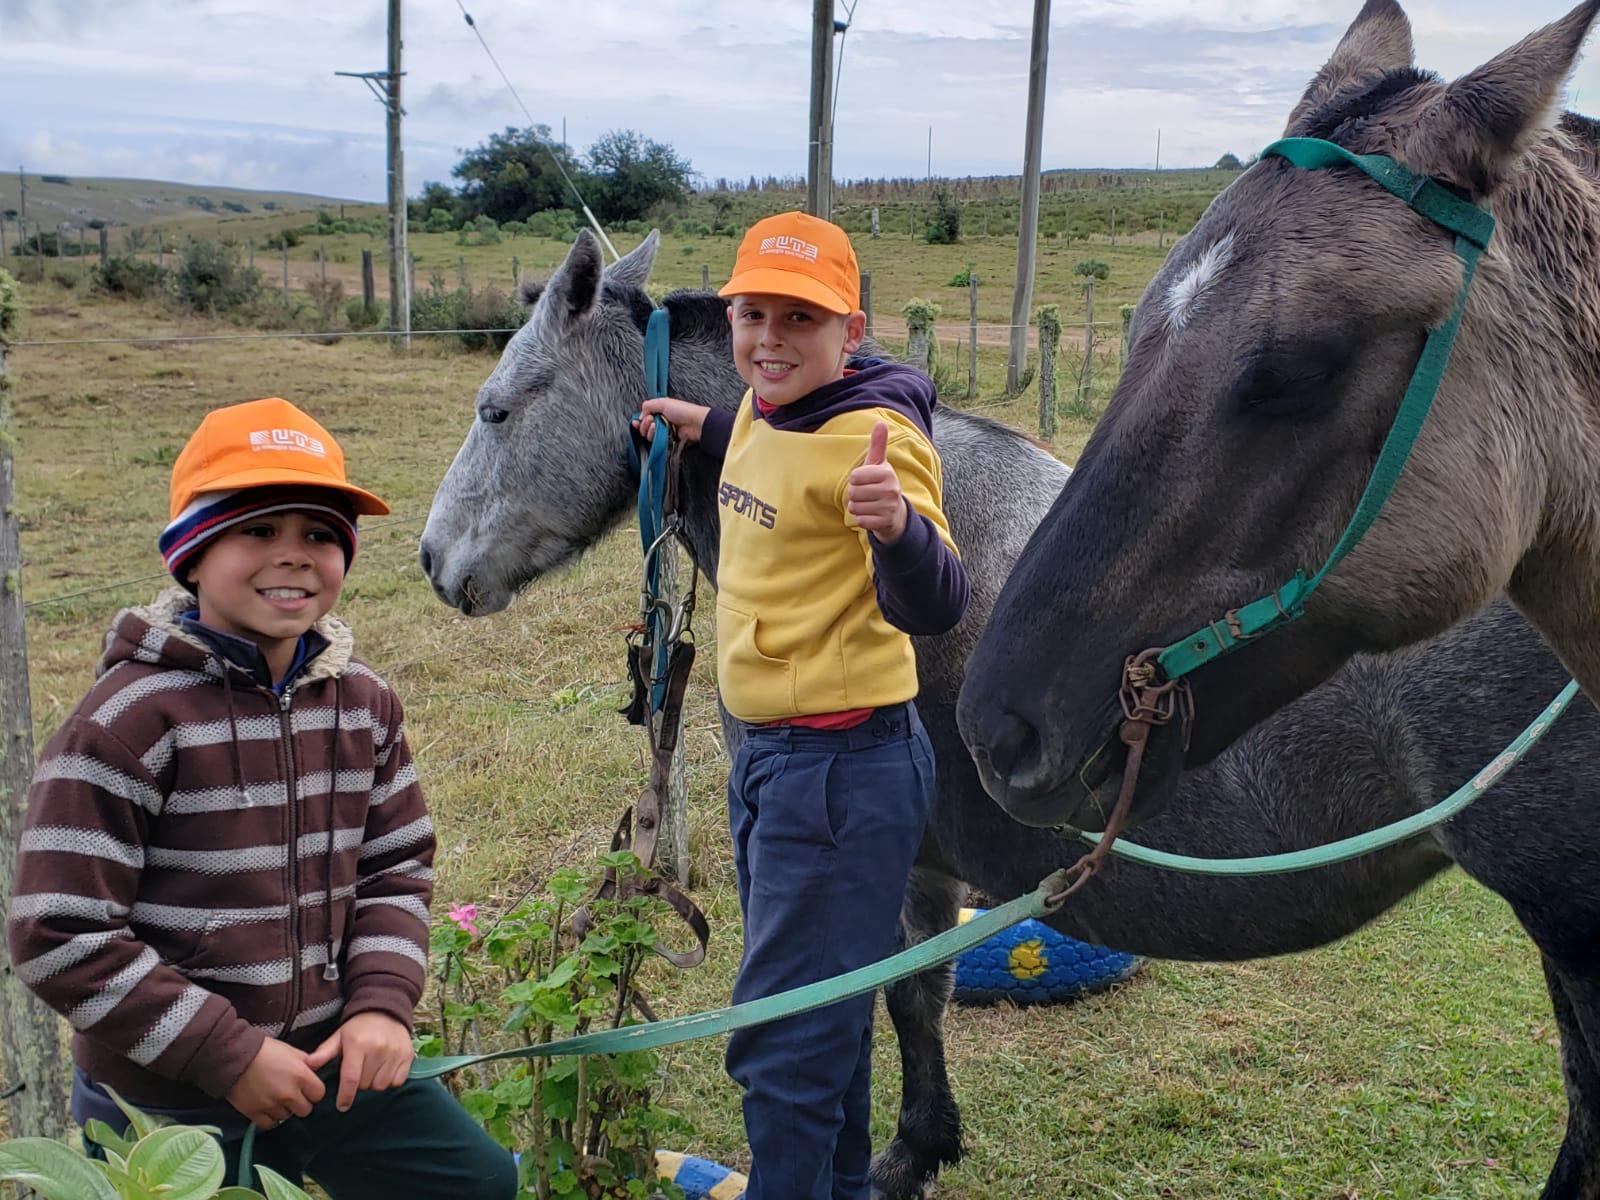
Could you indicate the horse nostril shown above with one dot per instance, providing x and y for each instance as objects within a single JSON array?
[
  {"x": 427, "y": 561},
  {"x": 1013, "y": 745}
]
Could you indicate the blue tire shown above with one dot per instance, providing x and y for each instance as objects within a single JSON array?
[
  {"x": 1031, "y": 963},
  {"x": 700, "y": 1178}
]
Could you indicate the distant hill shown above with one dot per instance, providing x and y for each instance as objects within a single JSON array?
[{"x": 53, "y": 199}]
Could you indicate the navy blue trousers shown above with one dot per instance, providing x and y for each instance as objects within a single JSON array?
[{"x": 825, "y": 829}]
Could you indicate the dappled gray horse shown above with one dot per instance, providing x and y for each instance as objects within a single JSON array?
[
  {"x": 1266, "y": 363},
  {"x": 545, "y": 472}
]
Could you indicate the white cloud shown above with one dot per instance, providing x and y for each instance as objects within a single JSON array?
[{"x": 245, "y": 90}]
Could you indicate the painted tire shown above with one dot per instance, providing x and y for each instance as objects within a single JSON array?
[
  {"x": 700, "y": 1178},
  {"x": 1031, "y": 963}
]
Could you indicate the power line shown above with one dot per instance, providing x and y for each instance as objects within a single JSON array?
[{"x": 593, "y": 220}]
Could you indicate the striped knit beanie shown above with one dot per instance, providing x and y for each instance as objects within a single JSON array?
[{"x": 211, "y": 514}]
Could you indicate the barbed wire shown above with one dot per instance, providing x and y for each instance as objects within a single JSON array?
[{"x": 245, "y": 337}]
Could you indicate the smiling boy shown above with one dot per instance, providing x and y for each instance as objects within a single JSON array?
[
  {"x": 833, "y": 549},
  {"x": 224, "y": 879}
]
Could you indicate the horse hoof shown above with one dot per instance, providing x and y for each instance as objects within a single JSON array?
[
  {"x": 900, "y": 1173},
  {"x": 1030, "y": 963}
]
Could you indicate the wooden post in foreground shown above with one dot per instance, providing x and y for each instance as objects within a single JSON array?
[{"x": 33, "y": 1075}]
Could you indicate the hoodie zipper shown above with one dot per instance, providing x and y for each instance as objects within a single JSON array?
[{"x": 294, "y": 856}]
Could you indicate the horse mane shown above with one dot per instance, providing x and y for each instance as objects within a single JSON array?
[
  {"x": 1584, "y": 135},
  {"x": 1342, "y": 110}
]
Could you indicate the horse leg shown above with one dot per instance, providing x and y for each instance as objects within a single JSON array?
[
  {"x": 1576, "y": 1175},
  {"x": 929, "y": 1131}
]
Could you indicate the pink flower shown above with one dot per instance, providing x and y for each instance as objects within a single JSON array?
[{"x": 465, "y": 916}]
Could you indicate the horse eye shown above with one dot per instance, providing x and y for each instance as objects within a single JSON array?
[{"x": 491, "y": 415}]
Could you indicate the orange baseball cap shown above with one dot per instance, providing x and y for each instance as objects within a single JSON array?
[
  {"x": 798, "y": 255},
  {"x": 258, "y": 444}
]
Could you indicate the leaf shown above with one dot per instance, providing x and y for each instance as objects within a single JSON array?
[
  {"x": 53, "y": 1171},
  {"x": 567, "y": 884},
  {"x": 129, "y": 1187},
  {"x": 103, "y": 1135},
  {"x": 481, "y": 1106},
  {"x": 515, "y": 1092},
  {"x": 277, "y": 1187},
  {"x": 186, "y": 1163},
  {"x": 143, "y": 1123}
]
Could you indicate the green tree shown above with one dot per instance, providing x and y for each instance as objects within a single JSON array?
[
  {"x": 944, "y": 226},
  {"x": 629, "y": 174},
  {"x": 434, "y": 195},
  {"x": 512, "y": 175},
  {"x": 1229, "y": 162}
]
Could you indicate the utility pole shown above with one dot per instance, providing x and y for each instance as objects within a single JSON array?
[
  {"x": 1028, "y": 218},
  {"x": 819, "y": 159},
  {"x": 930, "y": 151},
  {"x": 22, "y": 186},
  {"x": 385, "y": 85}
]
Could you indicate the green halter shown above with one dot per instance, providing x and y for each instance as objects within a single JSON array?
[{"x": 1473, "y": 227}]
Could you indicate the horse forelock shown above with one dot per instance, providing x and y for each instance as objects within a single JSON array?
[{"x": 1346, "y": 112}]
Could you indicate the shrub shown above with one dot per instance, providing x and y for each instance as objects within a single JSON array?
[
  {"x": 1092, "y": 268},
  {"x": 552, "y": 223},
  {"x": 944, "y": 226},
  {"x": 962, "y": 278},
  {"x": 328, "y": 296},
  {"x": 210, "y": 279},
  {"x": 694, "y": 228},
  {"x": 125, "y": 275},
  {"x": 361, "y": 315},
  {"x": 54, "y": 179},
  {"x": 440, "y": 220},
  {"x": 584, "y": 1126},
  {"x": 513, "y": 227},
  {"x": 150, "y": 1158},
  {"x": 235, "y": 206},
  {"x": 284, "y": 239}
]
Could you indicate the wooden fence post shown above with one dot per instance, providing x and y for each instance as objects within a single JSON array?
[
  {"x": 919, "y": 316},
  {"x": 1086, "y": 375},
  {"x": 1049, "y": 319},
  {"x": 286, "y": 272},
  {"x": 1127, "y": 320},
  {"x": 105, "y": 247},
  {"x": 411, "y": 273},
  {"x": 516, "y": 273},
  {"x": 866, "y": 298},
  {"x": 35, "y": 1077},
  {"x": 461, "y": 271},
  {"x": 251, "y": 262},
  {"x": 874, "y": 220},
  {"x": 369, "y": 296},
  {"x": 972, "y": 334},
  {"x": 161, "y": 259},
  {"x": 2, "y": 238},
  {"x": 322, "y": 265},
  {"x": 705, "y": 277}
]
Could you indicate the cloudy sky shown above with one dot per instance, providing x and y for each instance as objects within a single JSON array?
[{"x": 242, "y": 92}]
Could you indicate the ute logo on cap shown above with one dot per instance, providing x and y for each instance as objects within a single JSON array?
[
  {"x": 790, "y": 245},
  {"x": 287, "y": 439}
]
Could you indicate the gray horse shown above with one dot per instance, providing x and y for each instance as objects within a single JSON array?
[
  {"x": 545, "y": 473},
  {"x": 1267, "y": 360}
]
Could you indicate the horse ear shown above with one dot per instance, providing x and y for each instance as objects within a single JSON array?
[
  {"x": 1377, "y": 42},
  {"x": 1489, "y": 118},
  {"x": 529, "y": 291},
  {"x": 576, "y": 283},
  {"x": 633, "y": 268}
]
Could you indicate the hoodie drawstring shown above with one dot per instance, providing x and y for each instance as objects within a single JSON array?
[
  {"x": 330, "y": 970},
  {"x": 233, "y": 737}
]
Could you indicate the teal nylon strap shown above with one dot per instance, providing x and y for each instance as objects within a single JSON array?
[
  {"x": 1364, "y": 843},
  {"x": 1473, "y": 228},
  {"x": 938, "y": 949},
  {"x": 652, "y": 497}
]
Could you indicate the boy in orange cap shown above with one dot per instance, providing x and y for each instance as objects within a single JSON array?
[
  {"x": 224, "y": 879},
  {"x": 834, "y": 549}
]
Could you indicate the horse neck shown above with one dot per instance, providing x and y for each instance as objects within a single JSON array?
[{"x": 702, "y": 373}]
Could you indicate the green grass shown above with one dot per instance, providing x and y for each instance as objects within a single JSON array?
[{"x": 1414, "y": 1059}]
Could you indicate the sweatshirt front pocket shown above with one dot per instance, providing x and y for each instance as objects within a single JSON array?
[{"x": 755, "y": 686}]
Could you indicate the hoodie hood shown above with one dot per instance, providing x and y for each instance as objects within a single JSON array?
[
  {"x": 154, "y": 634},
  {"x": 872, "y": 383}
]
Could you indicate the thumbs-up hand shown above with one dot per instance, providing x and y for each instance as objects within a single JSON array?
[{"x": 873, "y": 496}]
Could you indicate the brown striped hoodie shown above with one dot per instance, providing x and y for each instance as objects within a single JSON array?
[{"x": 206, "y": 864}]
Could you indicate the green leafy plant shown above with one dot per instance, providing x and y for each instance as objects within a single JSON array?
[
  {"x": 1092, "y": 268},
  {"x": 944, "y": 223},
  {"x": 151, "y": 1160},
  {"x": 587, "y": 1126}
]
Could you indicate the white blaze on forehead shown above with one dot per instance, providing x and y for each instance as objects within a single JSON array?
[{"x": 1186, "y": 292}]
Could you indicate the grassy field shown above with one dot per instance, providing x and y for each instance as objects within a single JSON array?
[{"x": 1416, "y": 1059}]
